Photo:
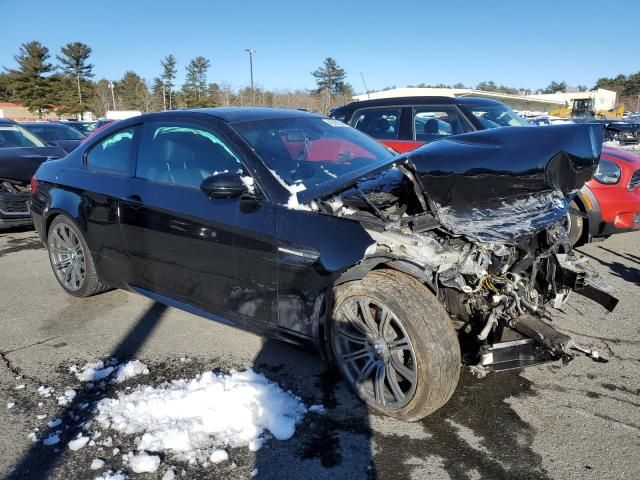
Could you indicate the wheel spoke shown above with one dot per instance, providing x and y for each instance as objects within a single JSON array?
[
  {"x": 366, "y": 316},
  {"x": 351, "y": 337},
  {"x": 378, "y": 383},
  {"x": 393, "y": 383},
  {"x": 356, "y": 355},
  {"x": 366, "y": 370},
  {"x": 405, "y": 372},
  {"x": 399, "y": 345},
  {"x": 61, "y": 237},
  {"x": 354, "y": 320},
  {"x": 64, "y": 263},
  {"x": 67, "y": 274},
  {"x": 385, "y": 319}
]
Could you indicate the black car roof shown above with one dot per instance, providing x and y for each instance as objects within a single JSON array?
[
  {"x": 422, "y": 100},
  {"x": 236, "y": 114}
]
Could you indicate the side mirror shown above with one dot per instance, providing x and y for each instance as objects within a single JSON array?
[{"x": 223, "y": 185}]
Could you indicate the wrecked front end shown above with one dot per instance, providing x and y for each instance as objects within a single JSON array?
[{"x": 481, "y": 220}]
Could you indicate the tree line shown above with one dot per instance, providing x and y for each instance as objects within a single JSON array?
[{"x": 67, "y": 87}]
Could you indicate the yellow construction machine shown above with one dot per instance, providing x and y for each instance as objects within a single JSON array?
[{"x": 584, "y": 107}]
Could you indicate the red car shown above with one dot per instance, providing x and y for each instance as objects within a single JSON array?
[
  {"x": 608, "y": 204},
  {"x": 611, "y": 200}
]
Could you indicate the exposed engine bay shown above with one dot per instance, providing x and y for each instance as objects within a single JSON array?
[{"x": 492, "y": 246}]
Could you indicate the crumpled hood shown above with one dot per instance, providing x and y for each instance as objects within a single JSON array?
[
  {"x": 21, "y": 163},
  {"x": 503, "y": 184}
]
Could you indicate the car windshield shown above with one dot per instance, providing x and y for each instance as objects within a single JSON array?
[
  {"x": 311, "y": 150},
  {"x": 84, "y": 127},
  {"x": 12, "y": 136},
  {"x": 494, "y": 116},
  {"x": 54, "y": 132}
]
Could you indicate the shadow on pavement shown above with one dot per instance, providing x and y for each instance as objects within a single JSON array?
[
  {"x": 618, "y": 269},
  {"x": 39, "y": 461},
  {"x": 336, "y": 444}
]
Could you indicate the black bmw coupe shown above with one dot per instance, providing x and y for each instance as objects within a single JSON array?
[{"x": 297, "y": 226}]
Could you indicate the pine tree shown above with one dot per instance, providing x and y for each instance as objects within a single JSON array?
[
  {"x": 195, "y": 86},
  {"x": 330, "y": 77},
  {"x": 6, "y": 91},
  {"x": 133, "y": 93},
  {"x": 75, "y": 66},
  {"x": 29, "y": 84},
  {"x": 168, "y": 76}
]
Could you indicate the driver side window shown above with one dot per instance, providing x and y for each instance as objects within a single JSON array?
[{"x": 183, "y": 154}]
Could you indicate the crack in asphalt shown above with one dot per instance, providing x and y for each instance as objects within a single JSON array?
[
  {"x": 603, "y": 339},
  {"x": 6, "y": 352}
]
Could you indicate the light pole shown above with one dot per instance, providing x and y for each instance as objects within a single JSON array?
[
  {"x": 113, "y": 97},
  {"x": 251, "y": 51}
]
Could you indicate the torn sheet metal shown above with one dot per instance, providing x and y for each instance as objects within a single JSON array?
[{"x": 500, "y": 185}]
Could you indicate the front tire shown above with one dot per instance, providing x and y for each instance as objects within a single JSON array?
[
  {"x": 71, "y": 259},
  {"x": 575, "y": 225},
  {"x": 395, "y": 344}
]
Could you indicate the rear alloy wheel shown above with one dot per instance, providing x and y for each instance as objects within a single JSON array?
[
  {"x": 575, "y": 224},
  {"x": 395, "y": 344},
  {"x": 71, "y": 260}
]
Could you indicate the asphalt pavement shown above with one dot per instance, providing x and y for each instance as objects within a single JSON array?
[{"x": 580, "y": 420}]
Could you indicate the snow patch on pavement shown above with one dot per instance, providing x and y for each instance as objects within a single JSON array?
[
  {"x": 97, "y": 464},
  {"x": 111, "y": 475},
  {"x": 92, "y": 372},
  {"x": 78, "y": 443},
  {"x": 129, "y": 370},
  {"x": 99, "y": 371},
  {"x": 192, "y": 418},
  {"x": 142, "y": 462}
]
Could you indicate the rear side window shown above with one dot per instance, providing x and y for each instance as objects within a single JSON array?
[
  {"x": 183, "y": 154},
  {"x": 431, "y": 123},
  {"x": 379, "y": 123},
  {"x": 114, "y": 154}
]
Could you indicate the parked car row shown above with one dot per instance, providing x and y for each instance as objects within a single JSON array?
[{"x": 607, "y": 204}]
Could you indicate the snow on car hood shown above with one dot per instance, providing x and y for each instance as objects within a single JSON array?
[
  {"x": 503, "y": 184},
  {"x": 21, "y": 163}
]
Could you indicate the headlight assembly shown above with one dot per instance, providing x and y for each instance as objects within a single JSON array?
[{"x": 607, "y": 172}]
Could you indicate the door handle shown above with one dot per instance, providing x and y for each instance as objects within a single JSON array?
[{"x": 134, "y": 200}]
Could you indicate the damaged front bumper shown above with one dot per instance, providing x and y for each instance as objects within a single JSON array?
[{"x": 542, "y": 342}]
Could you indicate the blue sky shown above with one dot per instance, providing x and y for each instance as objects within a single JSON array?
[{"x": 516, "y": 43}]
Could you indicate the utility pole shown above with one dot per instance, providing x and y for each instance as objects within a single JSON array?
[
  {"x": 113, "y": 97},
  {"x": 251, "y": 51},
  {"x": 164, "y": 99}
]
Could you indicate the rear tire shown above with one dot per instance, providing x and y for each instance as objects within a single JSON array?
[
  {"x": 403, "y": 357},
  {"x": 71, "y": 259}
]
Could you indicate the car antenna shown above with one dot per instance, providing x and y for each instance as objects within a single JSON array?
[{"x": 365, "y": 86}]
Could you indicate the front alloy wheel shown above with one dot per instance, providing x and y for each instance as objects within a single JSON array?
[
  {"x": 375, "y": 352},
  {"x": 395, "y": 344}
]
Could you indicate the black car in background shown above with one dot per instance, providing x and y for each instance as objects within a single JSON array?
[
  {"x": 21, "y": 153},
  {"x": 405, "y": 123},
  {"x": 299, "y": 227},
  {"x": 102, "y": 122},
  {"x": 57, "y": 134},
  {"x": 82, "y": 126}
]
